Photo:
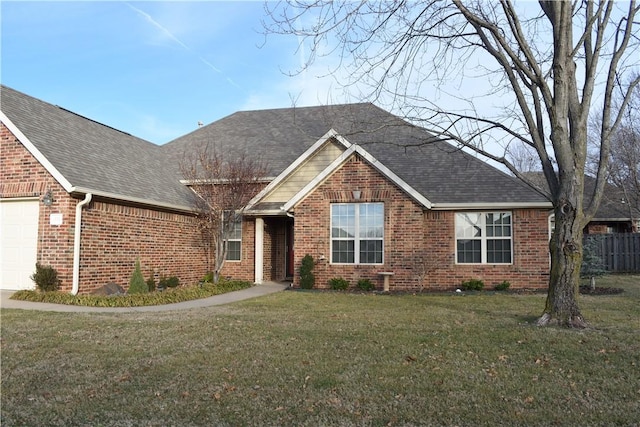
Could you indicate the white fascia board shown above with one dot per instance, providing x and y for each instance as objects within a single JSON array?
[
  {"x": 611, "y": 219},
  {"x": 265, "y": 212},
  {"x": 299, "y": 161},
  {"x": 190, "y": 182},
  {"x": 136, "y": 200},
  {"x": 490, "y": 206},
  {"x": 374, "y": 163},
  {"x": 36, "y": 153}
]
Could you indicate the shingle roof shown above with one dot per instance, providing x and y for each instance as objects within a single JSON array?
[
  {"x": 441, "y": 172},
  {"x": 95, "y": 157},
  {"x": 614, "y": 206}
]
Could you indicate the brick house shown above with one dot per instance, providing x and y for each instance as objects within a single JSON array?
[
  {"x": 360, "y": 190},
  {"x": 111, "y": 199},
  {"x": 618, "y": 212}
]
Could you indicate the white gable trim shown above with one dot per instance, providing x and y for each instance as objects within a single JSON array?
[
  {"x": 131, "y": 199},
  {"x": 356, "y": 149},
  {"x": 299, "y": 161},
  {"x": 489, "y": 206},
  {"x": 36, "y": 153}
]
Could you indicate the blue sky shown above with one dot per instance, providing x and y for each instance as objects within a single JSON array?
[{"x": 154, "y": 69}]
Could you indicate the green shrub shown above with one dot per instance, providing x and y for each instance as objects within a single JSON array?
[
  {"x": 473, "y": 285},
  {"x": 151, "y": 283},
  {"x": 169, "y": 282},
  {"x": 46, "y": 278},
  {"x": 338, "y": 284},
  {"x": 307, "y": 279},
  {"x": 502, "y": 286},
  {"x": 137, "y": 284},
  {"x": 365, "y": 285},
  {"x": 208, "y": 278},
  {"x": 592, "y": 264}
]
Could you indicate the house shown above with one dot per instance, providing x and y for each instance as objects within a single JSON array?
[
  {"x": 366, "y": 194},
  {"x": 88, "y": 200},
  {"x": 618, "y": 211}
]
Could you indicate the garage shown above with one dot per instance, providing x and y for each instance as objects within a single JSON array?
[{"x": 18, "y": 243}]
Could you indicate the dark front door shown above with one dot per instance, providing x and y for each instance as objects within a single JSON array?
[{"x": 289, "y": 249}]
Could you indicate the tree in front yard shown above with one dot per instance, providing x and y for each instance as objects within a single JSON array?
[
  {"x": 224, "y": 183},
  {"x": 540, "y": 68}
]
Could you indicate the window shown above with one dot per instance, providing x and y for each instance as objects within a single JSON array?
[
  {"x": 233, "y": 236},
  {"x": 483, "y": 238},
  {"x": 357, "y": 233}
]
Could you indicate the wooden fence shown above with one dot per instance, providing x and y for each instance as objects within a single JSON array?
[{"x": 619, "y": 252}]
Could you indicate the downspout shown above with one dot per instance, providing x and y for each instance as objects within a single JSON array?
[{"x": 76, "y": 244}]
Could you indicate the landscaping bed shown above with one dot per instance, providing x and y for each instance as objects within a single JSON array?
[{"x": 167, "y": 296}]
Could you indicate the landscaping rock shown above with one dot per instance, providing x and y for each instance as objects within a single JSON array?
[{"x": 109, "y": 289}]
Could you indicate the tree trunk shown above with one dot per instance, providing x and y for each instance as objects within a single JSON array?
[
  {"x": 220, "y": 256},
  {"x": 566, "y": 259}
]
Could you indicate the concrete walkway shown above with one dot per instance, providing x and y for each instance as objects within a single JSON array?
[{"x": 252, "y": 292}]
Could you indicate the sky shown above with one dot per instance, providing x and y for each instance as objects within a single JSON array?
[{"x": 154, "y": 69}]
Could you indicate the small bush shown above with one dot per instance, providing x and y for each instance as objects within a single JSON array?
[
  {"x": 473, "y": 285},
  {"x": 137, "y": 284},
  {"x": 46, "y": 278},
  {"x": 592, "y": 264},
  {"x": 169, "y": 282},
  {"x": 208, "y": 278},
  {"x": 503, "y": 286},
  {"x": 338, "y": 284},
  {"x": 151, "y": 283},
  {"x": 365, "y": 285},
  {"x": 307, "y": 279}
]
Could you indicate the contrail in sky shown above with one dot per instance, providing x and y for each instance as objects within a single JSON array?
[{"x": 169, "y": 34}]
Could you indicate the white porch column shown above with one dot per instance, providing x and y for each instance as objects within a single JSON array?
[{"x": 259, "y": 251}]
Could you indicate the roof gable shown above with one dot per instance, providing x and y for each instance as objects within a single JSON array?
[
  {"x": 306, "y": 168},
  {"x": 341, "y": 160},
  {"x": 441, "y": 173}
]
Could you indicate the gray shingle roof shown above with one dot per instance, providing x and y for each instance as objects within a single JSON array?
[
  {"x": 96, "y": 157},
  {"x": 438, "y": 170},
  {"x": 93, "y": 156},
  {"x": 614, "y": 205}
]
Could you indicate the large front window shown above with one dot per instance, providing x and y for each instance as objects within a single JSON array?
[
  {"x": 484, "y": 238},
  {"x": 357, "y": 233}
]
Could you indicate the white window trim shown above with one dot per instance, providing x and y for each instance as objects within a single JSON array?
[
  {"x": 227, "y": 240},
  {"x": 483, "y": 238},
  {"x": 356, "y": 239}
]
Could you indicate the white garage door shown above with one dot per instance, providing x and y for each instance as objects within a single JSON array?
[{"x": 18, "y": 243}]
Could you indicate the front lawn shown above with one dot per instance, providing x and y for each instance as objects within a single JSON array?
[{"x": 300, "y": 358}]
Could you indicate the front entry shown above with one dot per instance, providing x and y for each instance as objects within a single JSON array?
[{"x": 289, "y": 258}]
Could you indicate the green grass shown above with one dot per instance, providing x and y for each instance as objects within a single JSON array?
[{"x": 305, "y": 358}]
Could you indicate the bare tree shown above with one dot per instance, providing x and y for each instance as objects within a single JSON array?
[
  {"x": 224, "y": 184},
  {"x": 523, "y": 157},
  {"x": 553, "y": 63},
  {"x": 625, "y": 160}
]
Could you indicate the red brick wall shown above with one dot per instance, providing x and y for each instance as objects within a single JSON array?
[
  {"x": 113, "y": 235},
  {"x": 245, "y": 268},
  {"x": 21, "y": 175},
  {"x": 411, "y": 236}
]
